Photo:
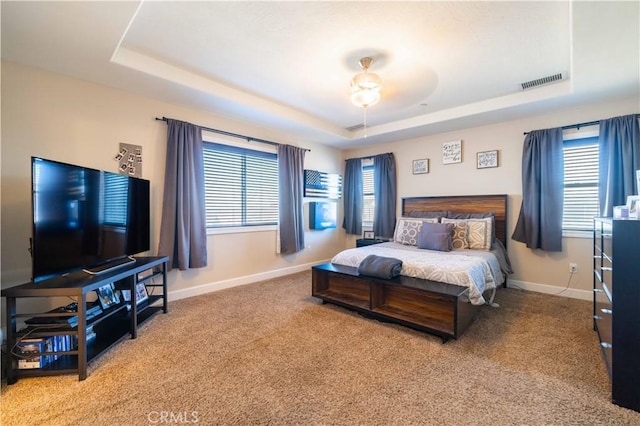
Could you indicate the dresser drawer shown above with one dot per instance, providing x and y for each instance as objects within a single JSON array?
[
  {"x": 606, "y": 350},
  {"x": 602, "y": 313},
  {"x": 603, "y": 325},
  {"x": 606, "y": 273}
]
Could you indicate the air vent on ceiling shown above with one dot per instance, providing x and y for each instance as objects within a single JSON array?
[
  {"x": 541, "y": 81},
  {"x": 356, "y": 127}
]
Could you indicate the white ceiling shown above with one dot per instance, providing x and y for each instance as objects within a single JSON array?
[{"x": 286, "y": 66}]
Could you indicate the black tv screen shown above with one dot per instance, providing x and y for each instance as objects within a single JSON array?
[{"x": 84, "y": 217}]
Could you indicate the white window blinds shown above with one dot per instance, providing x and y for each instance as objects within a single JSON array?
[
  {"x": 241, "y": 186},
  {"x": 369, "y": 199},
  {"x": 580, "y": 184}
]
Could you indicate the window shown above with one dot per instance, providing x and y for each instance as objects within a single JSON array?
[
  {"x": 580, "y": 184},
  {"x": 241, "y": 186},
  {"x": 369, "y": 199}
]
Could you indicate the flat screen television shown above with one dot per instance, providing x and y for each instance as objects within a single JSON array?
[{"x": 85, "y": 219}]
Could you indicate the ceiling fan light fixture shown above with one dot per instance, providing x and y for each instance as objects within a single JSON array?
[
  {"x": 365, "y": 86},
  {"x": 365, "y": 97}
]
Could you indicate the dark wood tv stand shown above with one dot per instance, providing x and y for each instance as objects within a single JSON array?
[{"x": 113, "y": 324}]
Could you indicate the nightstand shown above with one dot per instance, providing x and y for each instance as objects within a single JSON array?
[{"x": 368, "y": 241}]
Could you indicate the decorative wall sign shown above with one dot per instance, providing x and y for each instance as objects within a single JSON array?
[
  {"x": 452, "y": 152},
  {"x": 420, "y": 166},
  {"x": 486, "y": 159},
  {"x": 129, "y": 159},
  {"x": 322, "y": 184}
]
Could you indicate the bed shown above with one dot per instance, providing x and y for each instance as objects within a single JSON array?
[{"x": 437, "y": 291}]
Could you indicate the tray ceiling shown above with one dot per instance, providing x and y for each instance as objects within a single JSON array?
[{"x": 286, "y": 66}]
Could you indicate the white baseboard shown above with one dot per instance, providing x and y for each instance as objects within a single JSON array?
[
  {"x": 248, "y": 279},
  {"x": 551, "y": 289},
  {"x": 235, "y": 282}
]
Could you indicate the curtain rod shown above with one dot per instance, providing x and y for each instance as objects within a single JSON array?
[
  {"x": 577, "y": 126},
  {"x": 367, "y": 157},
  {"x": 235, "y": 135}
]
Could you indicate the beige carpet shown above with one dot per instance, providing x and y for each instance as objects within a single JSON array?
[{"x": 269, "y": 353}]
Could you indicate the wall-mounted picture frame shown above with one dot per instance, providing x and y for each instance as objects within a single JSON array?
[
  {"x": 487, "y": 159},
  {"x": 368, "y": 235},
  {"x": 452, "y": 152},
  {"x": 421, "y": 166}
]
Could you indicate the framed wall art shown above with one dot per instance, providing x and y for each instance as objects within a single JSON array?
[
  {"x": 487, "y": 159},
  {"x": 420, "y": 166},
  {"x": 452, "y": 152},
  {"x": 129, "y": 159}
]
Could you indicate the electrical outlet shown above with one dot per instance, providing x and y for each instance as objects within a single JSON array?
[{"x": 573, "y": 268}]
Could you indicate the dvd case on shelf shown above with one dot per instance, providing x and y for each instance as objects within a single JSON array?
[
  {"x": 29, "y": 351},
  {"x": 39, "y": 352}
]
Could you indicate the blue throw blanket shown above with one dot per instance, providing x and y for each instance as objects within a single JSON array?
[{"x": 380, "y": 267}]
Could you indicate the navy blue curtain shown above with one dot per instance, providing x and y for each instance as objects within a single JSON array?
[
  {"x": 539, "y": 225},
  {"x": 353, "y": 197},
  {"x": 385, "y": 190},
  {"x": 619, "y": 144},
  {"x": 291, "y": 192},
  {"x": 183, "y": 229}
]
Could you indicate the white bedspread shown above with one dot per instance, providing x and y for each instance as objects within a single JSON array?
[{"x": 478, "y": 270}]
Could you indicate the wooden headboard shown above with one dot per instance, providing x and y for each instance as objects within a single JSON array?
[{"x": 463, "y": 204}]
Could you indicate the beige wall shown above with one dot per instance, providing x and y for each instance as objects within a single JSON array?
[
  {"x": 73, "y": 121},
  {"x": 534, "y": 269},
  {"x": 51, "y": 116}
]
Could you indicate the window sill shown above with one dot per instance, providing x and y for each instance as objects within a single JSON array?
[
  {"x": 241, "y": 229},
  {"x": 577, "y": 234}
]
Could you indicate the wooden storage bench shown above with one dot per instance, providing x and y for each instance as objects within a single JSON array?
[{"x": 437, "y": 308}]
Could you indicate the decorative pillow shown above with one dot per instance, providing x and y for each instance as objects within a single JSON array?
[
  {"x": 440, "y": 241},
  {"x": 429, "y": 215},
  {"x": 459, "y": 238},
  {"x": 426, "y": 241},
  {"x": 433, "y": 227},
  {"x": 407, "y": 230},
  {"x": 492, "y": 215},
  {"x": 479, "y": 233},
  {"x": 458, "y": 215}
]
